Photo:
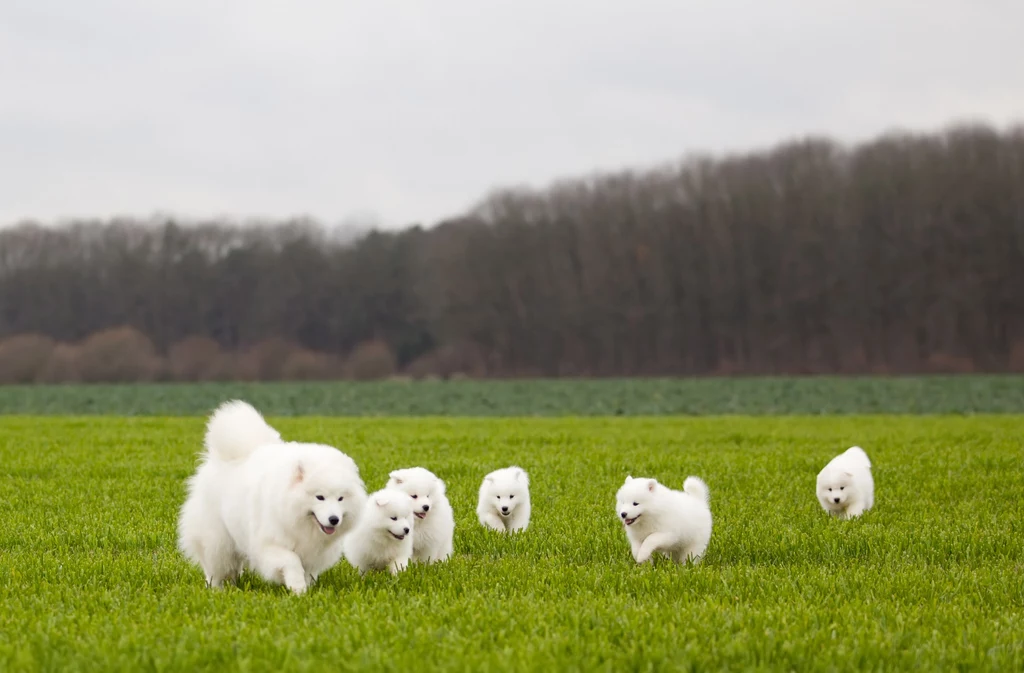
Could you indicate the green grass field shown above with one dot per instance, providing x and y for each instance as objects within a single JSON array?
[
  {"x": 931, "y": 579},
  {"x": 621, "y": 397}
]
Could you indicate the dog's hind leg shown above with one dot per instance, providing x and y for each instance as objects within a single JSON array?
[
  {"x": 277, "y": 564},
  {"x": 219, "y": 560},
  {"x": 694, "y": 553},
  {"x": 205, "y": 541},
  {"x": 236, "y": 571},
  {"x": 230, "y": 572}
]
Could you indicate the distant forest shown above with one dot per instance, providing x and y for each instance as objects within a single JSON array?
[{"x": 904, "y": 254}]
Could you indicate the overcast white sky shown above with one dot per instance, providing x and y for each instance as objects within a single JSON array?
[{"x": 413, "y": 111}]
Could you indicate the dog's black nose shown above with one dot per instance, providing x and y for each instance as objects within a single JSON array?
[
  {"x": 406, "y": 530},
  {"x": 504, "y": 509},
  {"x": 836, "y": 499},
  {"x": 623, "y": 515},
  {"x": 334, "y": 520},
  {"x": 426, "y": 508}
]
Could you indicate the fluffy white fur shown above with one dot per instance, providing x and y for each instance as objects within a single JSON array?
[
  {"x": 659, "y": 519},
  {"x": 383, "y": 538},
  {"x": 435, "y": 521},
  {"x": 504, "y": 503},
  {"x": 278, "y": 508},
  {"x": 845, "y": 486}
]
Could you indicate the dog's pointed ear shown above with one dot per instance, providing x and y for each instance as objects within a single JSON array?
[
  {"x": 298, "y": 475},
  {"x": 381, "y": 500},
  {"x": 629, "y": 478},
  {"x": 490, "y": 479},
  {"x": 394, "y": 476},
  {"x": 651, "y": 483},
  {"x": 519, "y": 473},
  {"x": 849, "y": 474}
]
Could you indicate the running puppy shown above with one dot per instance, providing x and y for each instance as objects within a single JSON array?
[
  {"x": 845, "y": 487},
  {"x": 504, "y": 503},
  {"x": 435, "y": 522},
  {"x": 383, "y": 538},
  {"x": 658, "y": 519}
]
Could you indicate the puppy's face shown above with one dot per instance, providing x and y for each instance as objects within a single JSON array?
[
  {"x": 330, "y": 495},
  {"x": 392, "y": 512},
  {"x": 421, "y": 485},
  {"x": 835, "y": 489},
  {"x": 632, "y": 499},
  {"x": 506, "y": 490}
]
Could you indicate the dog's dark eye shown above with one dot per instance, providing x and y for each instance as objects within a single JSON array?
[
  {"x": 394, "y": 518},
  {"x": 829, "y": 490},
  {"x": 636, "y": 504},
  {"x": 340, "y": 498},
  {"x": 414, "y": 497},
  {"x": 510, "y": 497},
  {"x": 841, "y": 487},
  {"x": 319, "y": 497}
]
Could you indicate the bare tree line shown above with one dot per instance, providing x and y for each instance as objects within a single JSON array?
[{"x": 903, "y": 254}]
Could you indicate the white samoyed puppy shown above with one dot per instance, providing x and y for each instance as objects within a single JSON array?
[
  {"x": 659, "y": 519},
  {"x": 846, "y": 488},
  {"x": 504, "y": 503},
  {"x": 383, "y": 538},
  {"x": 435, "y": 521},
  {"x": 279, "y": 508}
]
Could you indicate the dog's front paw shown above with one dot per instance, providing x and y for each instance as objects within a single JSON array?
[{"x": 296, "y": 583}]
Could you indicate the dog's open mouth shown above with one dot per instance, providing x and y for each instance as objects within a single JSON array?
[
  {"x": 505, "y": 513},
  {"x": 328, "y": 530},
  {"x": 420, "y": 515},
  {"x": 397, "y": 537},
  {"x": 630, "y": 522}
]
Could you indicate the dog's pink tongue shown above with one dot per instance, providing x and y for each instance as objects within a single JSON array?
[{"x": 329, "y": 529}]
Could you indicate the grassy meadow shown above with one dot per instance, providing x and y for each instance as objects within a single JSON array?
[{"x": 930, "y": 579}]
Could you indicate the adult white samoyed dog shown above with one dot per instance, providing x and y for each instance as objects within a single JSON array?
[
  {"x": 504, "y": 503},
  {"x": 279, "y": 508},
  {"x": 435, "y": 521},
  {"x": 659, "y": 519},
  {"x": 845, "y": 486},
  {"x": 383, "y": 538}
]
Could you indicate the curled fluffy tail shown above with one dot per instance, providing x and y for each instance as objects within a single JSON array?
[
  {"x": 235, "y": 430},
  {"x": 696, "y": 487},
  {"x": 858, "y": 457}
]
